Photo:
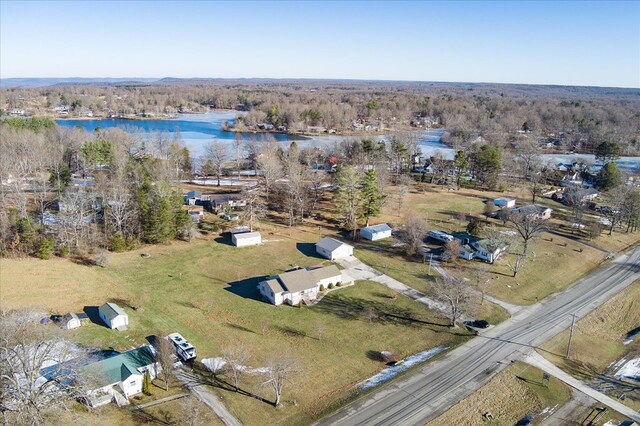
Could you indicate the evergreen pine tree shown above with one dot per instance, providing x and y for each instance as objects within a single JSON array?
[{"x": 372, "y": 198}]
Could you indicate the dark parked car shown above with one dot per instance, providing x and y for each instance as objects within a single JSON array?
[{"x": 477, "y": 324}]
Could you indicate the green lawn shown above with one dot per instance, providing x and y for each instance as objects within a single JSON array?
[{"x": 206, "y": 291}]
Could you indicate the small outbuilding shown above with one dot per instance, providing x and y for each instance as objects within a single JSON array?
[
  {"x": 504, "y": 203},
  {"x": 246, "y": 239},
  {"x": 333, "y": 249},
  {"x": 113, "y": 315},
  {"x": 70, "y": 321},
  {"x": 376, "y": 232}
]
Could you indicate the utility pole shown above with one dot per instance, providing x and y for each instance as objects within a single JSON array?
[
  {"x": 573, "y": 323},
  {"x": 430, "y": 259}
]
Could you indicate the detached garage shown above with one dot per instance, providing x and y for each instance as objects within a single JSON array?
[
  {"x": 333, "y": 249},
  {"x": 504, "y": 202},
  {"x": 246, "y": 239},
  {"x": 113, "y": 315},
  {"x": 376, "y": 232}
]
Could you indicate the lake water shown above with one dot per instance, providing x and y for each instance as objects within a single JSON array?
[{"x": 198, "y": 129}]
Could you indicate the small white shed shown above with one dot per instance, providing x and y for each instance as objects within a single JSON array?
[
  {"x": 113, "y": 315},
  {"x": 333, "y": 249},
  {"x": 246, "y": 239},
  {"x": 376, "y": 232},
  {"x": 71, "y": 321},
  {"x": 504, "y": 202}
]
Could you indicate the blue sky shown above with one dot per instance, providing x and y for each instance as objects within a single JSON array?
[{"x": 572, "y": 43}]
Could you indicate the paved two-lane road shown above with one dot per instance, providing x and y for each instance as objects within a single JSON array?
[{"x": 429, "y": 391}]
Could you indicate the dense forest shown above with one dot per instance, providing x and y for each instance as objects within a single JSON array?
[{"x": 570, "y": 119}]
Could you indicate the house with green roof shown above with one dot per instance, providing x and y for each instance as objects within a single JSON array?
[
  {"x": 113, "y": 316},
  {"x": 118, "y": 376}
]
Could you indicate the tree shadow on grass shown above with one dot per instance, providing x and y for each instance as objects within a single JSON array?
[
  {"x": 239, "y": 327},
  {"x": 247, "y": 288},
  {"x": 351, "y": 308},
  {"x": 204, "y": 376}
]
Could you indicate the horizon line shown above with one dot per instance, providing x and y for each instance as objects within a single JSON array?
[{"x": 159, "y": 79}]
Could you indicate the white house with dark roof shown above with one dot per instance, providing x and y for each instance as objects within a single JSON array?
[
  {"x": 245, "y": 239},
  {"x": 333, "y": 249},
  {"x": 376, "y": 232},
  {"x": 113, "y": 315},
  {"x": 302, "y": 284}
]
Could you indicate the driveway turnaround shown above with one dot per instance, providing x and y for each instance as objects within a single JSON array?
[{"x": 424, "y": 394}]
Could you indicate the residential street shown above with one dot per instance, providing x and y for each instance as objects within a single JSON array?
[{"x": 425, "y": 393}]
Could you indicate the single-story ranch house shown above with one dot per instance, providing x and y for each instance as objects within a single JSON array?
[
  {"x": 333, "y": 249},
  {"x": 119, "y": 376},
  {"x": 541, "y": 212},
  {"x": 113, "y": 315},
  {"x": 486, "y": 249},
  {"x": 376, "y": 232},
  {"x": 295, "y": 286},
  {"x": 245, "y": 239}
]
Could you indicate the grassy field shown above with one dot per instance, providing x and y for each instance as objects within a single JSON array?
[
  {"x": 206, "y": 291},
  {"x": 510, "y": 396},
  {"x": 558, "y": 262},
  {"x": 608, "y": 325}
]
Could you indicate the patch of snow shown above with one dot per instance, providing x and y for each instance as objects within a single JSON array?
[
  {"x": 611, "y": 423},
  {"x": 390, "y": 372},
  {"x": 548, "y": 410},
  {"x": 509, "y": 233},
  {"x": 605, "y": 221},
  {"x": 217, "y": 364},
  {"x": 631, "y": 370}
]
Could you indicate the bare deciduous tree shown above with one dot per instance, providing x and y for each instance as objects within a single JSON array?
[
  {"x": 404, "y": 184},
  {"x": 26, "y": 347},
  {"x": 255, "y": 207},
  {"x": 451, "y": 251},
  {"x": 281, "y": 367},
  {"x": 528, "y": 226},
  {"x": 215, "y": 156},
  {"x": 348, "y": 196},
  {"x": 270, "y": 165},
  {"x": 575, "y": 197},
  {"x": 455, "y": 295},
  {"x": 165, "y": 357},
  {"x": 236, "y": 357},
  {"x": 413, "y": 234}
]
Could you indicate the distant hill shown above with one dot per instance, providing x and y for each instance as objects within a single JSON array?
[
  {"x": 478, "y": 89},
  {"x": 42, "y": 82}
]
